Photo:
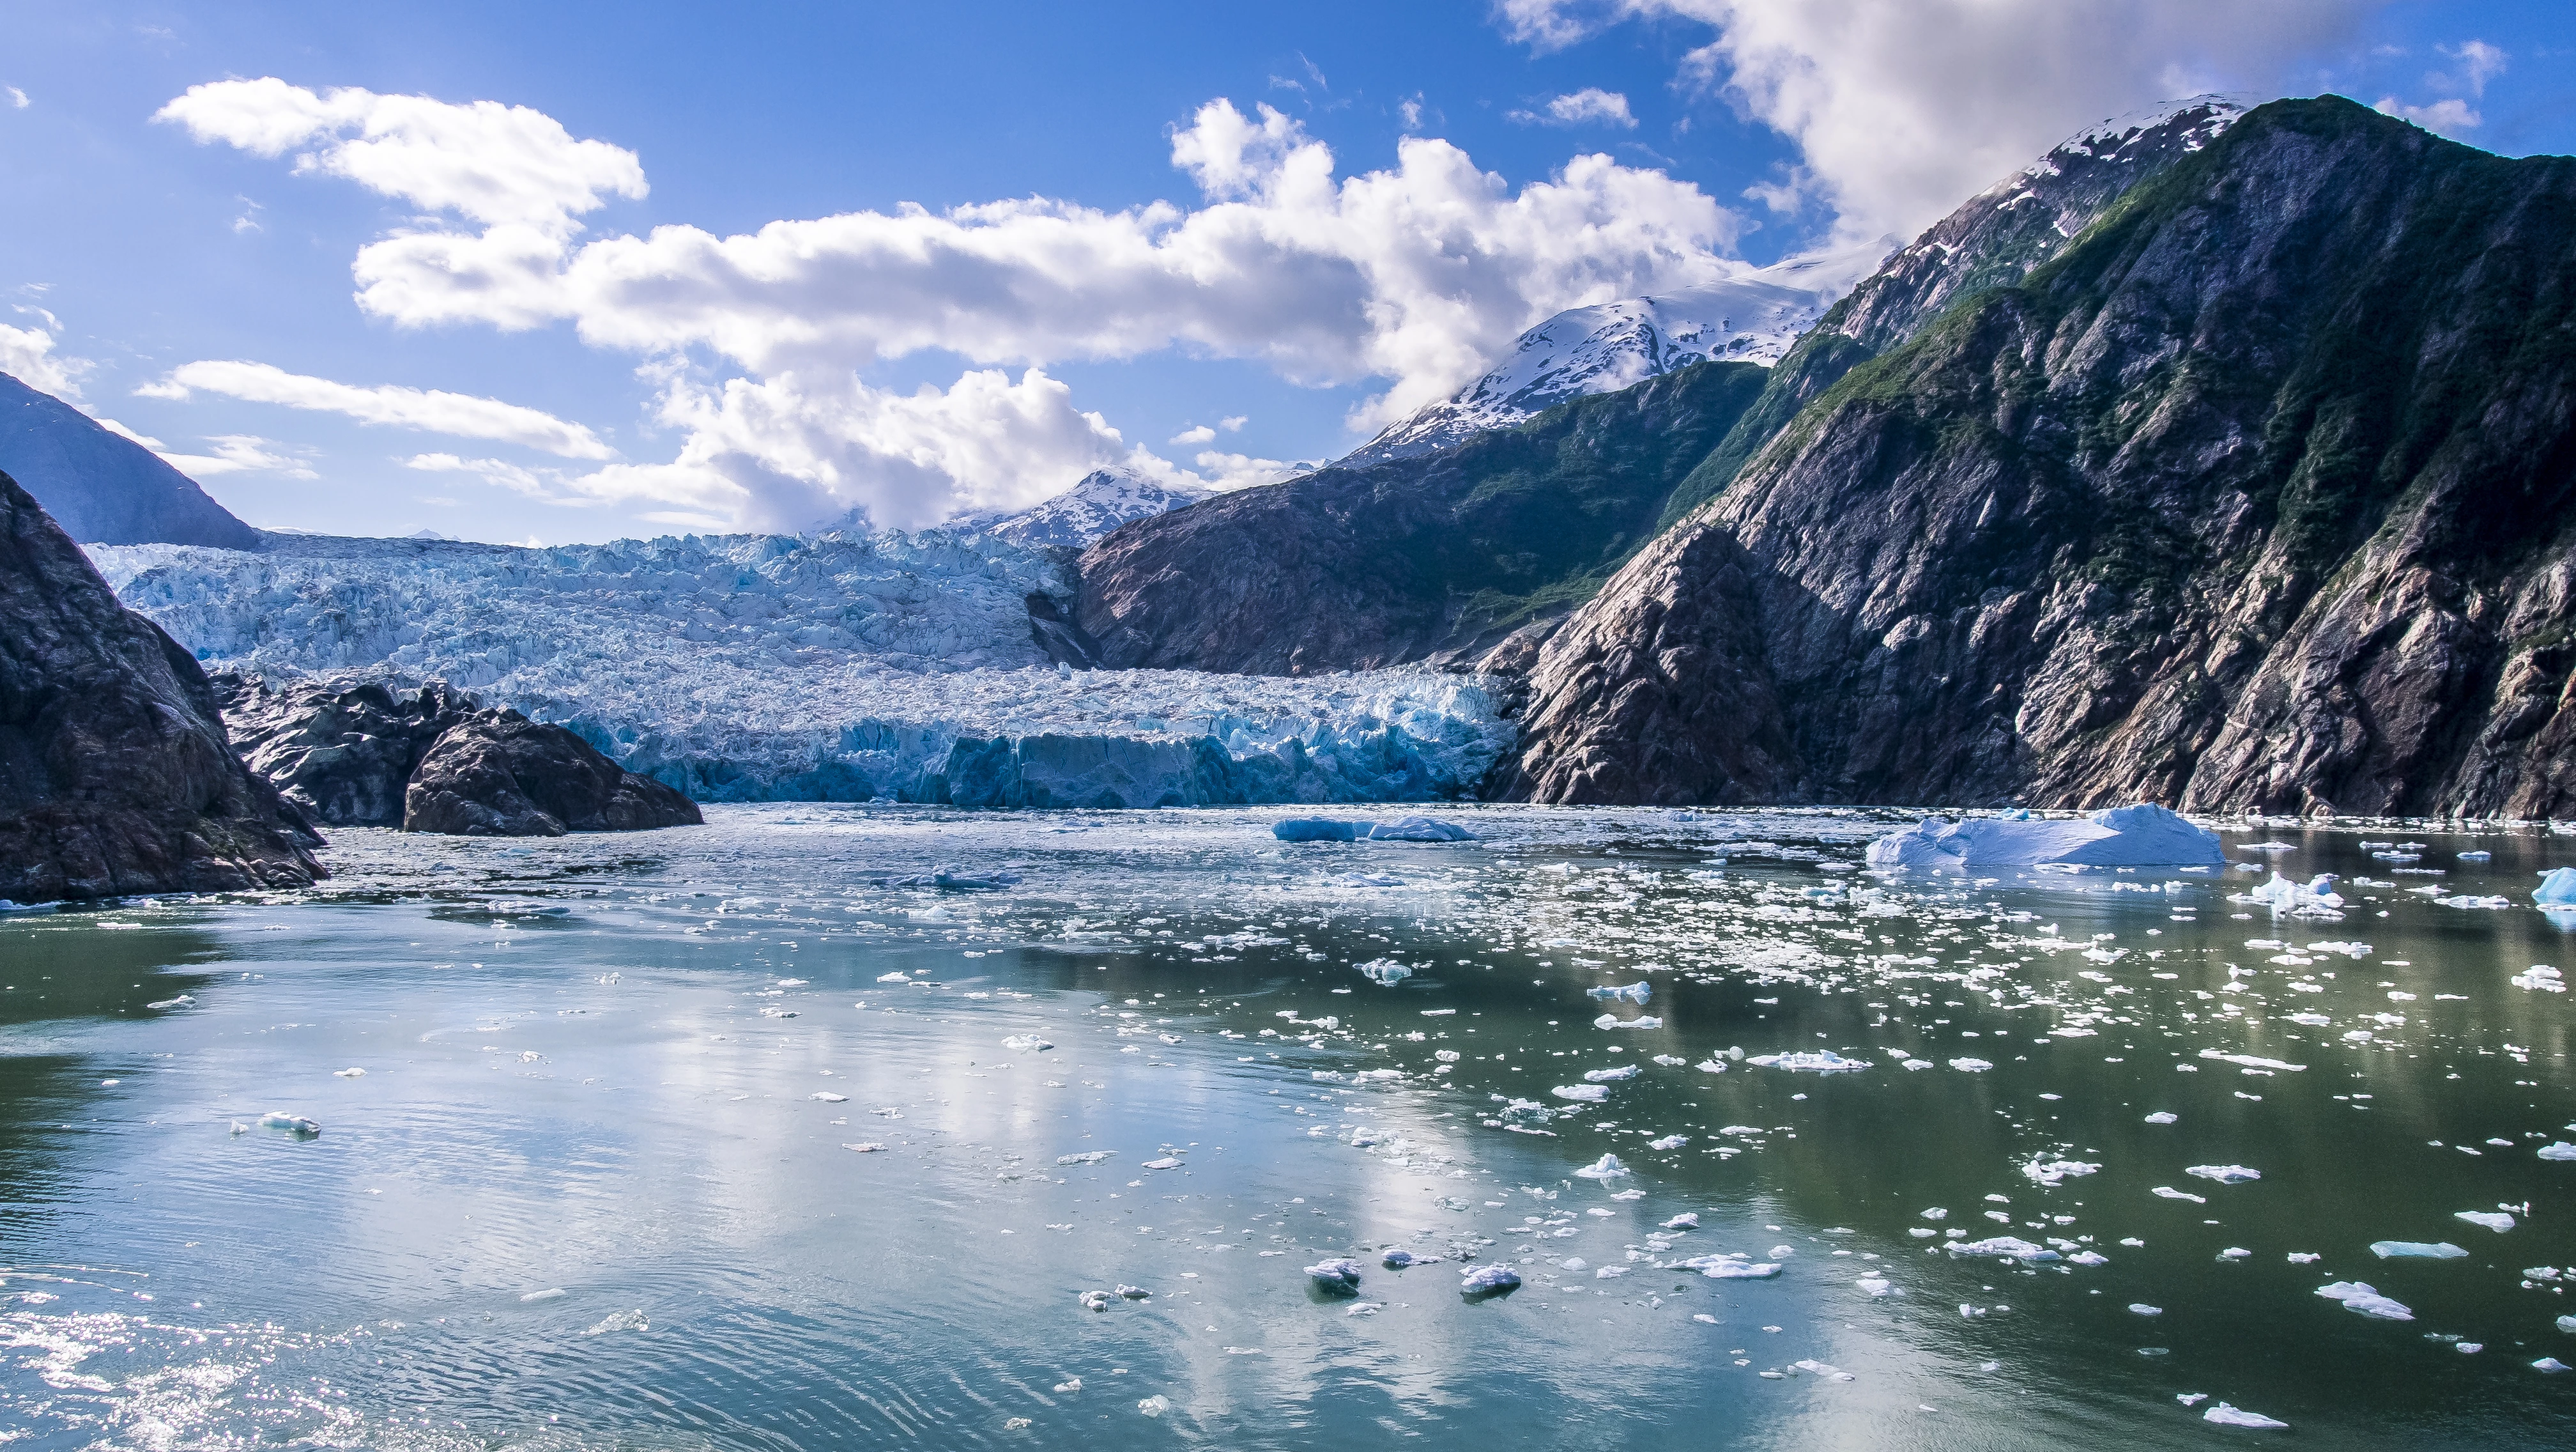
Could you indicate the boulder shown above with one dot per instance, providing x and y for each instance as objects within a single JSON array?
[
  {"x": 499, "y": 774},
  {"x": 116, "y": 776},
  {"x": 344, "y": 755}
]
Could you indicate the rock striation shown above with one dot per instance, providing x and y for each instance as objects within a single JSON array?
[
  {"x": 498, "y": 774},
  {"x": 2255, "y": 496},
  {"x": 115, "y": 773},
  {"x": 344, "y": 755}
]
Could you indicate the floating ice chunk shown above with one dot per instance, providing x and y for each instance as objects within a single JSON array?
[
  {"x": 2141, "y": 1308},
  {"x": 1399, "y": 1259},
  {"x": 2567, "y": 1324},
  {"x": 1605, "y": 1168},
  {"x": 1970, "y": 1066},
  {"x": 2234, "y": 1252},
  {"x": 352, "y": 1072},
  {"x": 2416, "y": 1250},
  {"x": 2465, "y": 900},
  {"x": 2224, "y": 1174},
  {"x": 2557, "y": 888},
  {"x": 2011, "y": 1246},
  {"x": 1026, "y": 1044},
  {"x": 894, "y": 978},
  {"x": 1420, "y": 829},
  {"x": 1730, "y": 1267},
  {"x": 2359, "y": 1297},
  {"x": 550, "y": 1293},
  {"x": 1087, "y": 1157},
  {"x": 182, "y": 1001},
  {"x": 1096, "y": 1300},
  {"x": 1688, "y": 1220},
  {"x": 1165, "y": 1163},
  {"x": 616, "y": 1321},
  {"x": 1636, "y": 993},
  {"x": 2314, "y": 898},
  {"x": 2558, "y": 1150},
  {"x": 2170, "y": 1193},
  {"x": 1369, "y": 879},
  {"x": 2163, "y": 1116},
  {"x": 1711, "y": 1066},
  {"x": 865, "y": 1149},
  {"x": 1582, "y": 1093},
  {"x": 2250, "y": 1061},
  {"x": 1937, "y": 1212},
  {"x": 1336, "y": 1277},
  {"x": 1489, "y": 1279},
  {"x": 1319, "y": 829},
  {"x": 1875, "y": 1285},
  {"x": 826, "y": 1096},
  {"x": 292, "y": 1123},
  {"x": 2495, "y": 1220},
  {"x": 1611, "y": 1076},
  {"x": 1154, "y": 1406},
  {"x": 1668, "y": 1142},
  {"x": 2477, "y": 857},
  {"x": 2549, "y": 1364},
  {"x": 2051, "y": 1172},
  {"x": 2136, "y": 836},
  {"x": 2540, "y": 976},
  {"x": 1135, "y": 1293},
  {"x": 1612, "y": 1021},
  {"x": 1821, "y": 1061},
  {"x": 2227, "y": 1416},
  {"x": 1385, "y": 972}
]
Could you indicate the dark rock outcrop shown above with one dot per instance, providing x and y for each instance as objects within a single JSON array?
[
  {"x": 343, "y": 755},
  {"x": 115, "y": 773},
  {"x": 102, "y": 487},
  {"x": 2260, "y": 495},
  {"x": 499, "y": 774}
]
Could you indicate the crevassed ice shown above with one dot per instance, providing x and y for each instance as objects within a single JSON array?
[{"x": 824, "y": 667}]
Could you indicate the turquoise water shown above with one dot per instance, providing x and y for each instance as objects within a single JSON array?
[{"x": 586, "y": 1194}]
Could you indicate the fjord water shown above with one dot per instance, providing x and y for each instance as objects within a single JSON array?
[{"x": 597, "y": 1185}]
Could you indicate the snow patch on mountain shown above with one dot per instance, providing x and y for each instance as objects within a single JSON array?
[
  {"x": 828, "y": 667},
  {"x": 1751, "y": 318},
  {"x": 1099, "y": 502}
]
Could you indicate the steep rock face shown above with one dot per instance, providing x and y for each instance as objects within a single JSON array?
[
  {"x": 499, "y": 774},
  {"x": 102, "y": 487},
  {"x": 2257, "y": 497},
  {"x": 115, "y": 774},
  {"x": 344, "y": 756},
  {"x": 1447, "y": 553}
]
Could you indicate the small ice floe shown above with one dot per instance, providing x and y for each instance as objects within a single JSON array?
[
  {"x": 894, "y": 978},
  {"x": 2315, "y": 898},
  {"x": 2251, "y": 1061},
  {"x": 864, "y": 1149},
  {"x": 2088, "y": 1257},
  {"x": 352, "y": 1072},
  {"x": 2224, "y": 1174},
  {"x": 1154, "y": 1406},
  {"x": 1711, "y": 1066},
  {"x": 1087, "y": 1157},
  {"x": 2141, "y": 1308},
  {"x": 2358, "y": 1297},
  {"x": 826, "y": 1096},
  {"x": 182, "y": 1001},
  {"x": 2163, "y": 1116},
  {"x": 2558, "y": 1150},
  {"x": 949, "y": 878},
  {"x": 2227, "y": 1416},
  {"x": 2557, "y": 888},
  {"x": 1167, "y": 1162},
  {"x": 2136, "y": 836},
  {"x": 2170, "y": 1193},
  {"x": 550, "y": 1293},
  {"x": 2477, "y": 857},
  {"x": 2567, "y": 1324},
  {"x": 2495, "y": 1220},
  {"x": 2539, "y": 977},
  {"x": 2304, "y": 1257},
  {"x": 1613, "y": 1021},
  {"x": 1874, "y": 1285},
  {"x": 1636, "y": 993},
  {"x": 2466, "y": 900},
  {"x": 2234, "y": 1252},
  {"x": 1402, "y": 1259},
  {"x": 1134, "y": 1293},
  {"x": 1611, "y": 1076},
  {"x": 2011, "y": 1247},
  {"x": 1584, "y": 1093},
  {"x": 1336, "y": 1277},
  {"x": 1729, "y": 1267},
  {"x": 1489, "y": 1279},
  {"x": 1688, "y": 1220},
  {"x": 1820, "y": 1061},
  {"x": 2416, "y": 1250},
  {"x": 616, "y": 1321},
  {"x": 1368, "y": 879},
  {"x": 1668, "y": 1142},
  {"x": 1970, "y": 1066},
  {"x": 2549, "y": 1364},
  {"x": 2053, "y": 1172},
  {"x": 1096, "y": 1300},
  {"x": 1319, "y": 829},
  {"x": 1384, "y": 972},
  {"x": 1420, "y": 829},
  {"x": 294, "y": 1124},
  {"x": 1605, "y": 1168},
  {"x": 1026, "y": 1044}
]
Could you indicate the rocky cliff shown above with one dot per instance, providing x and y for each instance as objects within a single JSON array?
[
  {"x": 499, "y": 774},
  {"x": 2256, "y": 495},
  {"x": 115, "y": 774},
  {"x": 100, "y": 486},
  {"x": 343, "y": 754}
]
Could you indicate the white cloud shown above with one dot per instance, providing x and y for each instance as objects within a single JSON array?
[
  {"x": 27, "y": 354},
  {"x": 2450, "y": 115},
  {"x": 498, "y": 471},
  {"x": 236, "y": 454},
  {"x": 1242, "y": 471},
  {"x": 121, "y": 431},
  {"x": 1200, "y": 434},
  {"x": 499, "y": 165},
  {"x": 462, "y": 415},
  {"x": 1232, "y": 423},
  {"x": 1414, "y": 275},
  {"x": 17, "y": 98},
  {"x": 1903, "y": 108},
  {"x": 1591, "y": 106},
  {"x": 2477, "y": 63}
]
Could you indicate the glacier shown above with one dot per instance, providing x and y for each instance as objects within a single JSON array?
[{"x": 841, "y": 666}]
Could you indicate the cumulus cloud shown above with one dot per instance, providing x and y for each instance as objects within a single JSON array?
[
  {"x": 1591, "y": 106},
  {"x": 430, "y": 410},
  {"x": 2474, "y": 63},
  {"x": 235, "y": 454},
  {"x": 17, "y": 98},
  {"x": 27, "y": 354},
  {"x": 1414, "y": 274},
  {"x": 1220, "y": 471},
  {"x": 1200, "y": 434},
  {"x": 1902, "y": 108}
]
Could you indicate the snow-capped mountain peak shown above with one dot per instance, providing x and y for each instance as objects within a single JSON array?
[{"x": 1098, "y": 502}]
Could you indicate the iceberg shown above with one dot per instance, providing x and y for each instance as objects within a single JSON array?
[
  {"x": 2144, "y": 835},
  {"x": 2224, "y": 1174},
  {"x": 2314, "y": 898},
  {"x": 2557, "y": 888},
  {"x": 1605, "y": 1168},
  {"x": 1318, "y": 829},
  {"x": 1336, "y": 1277},
  {"x": 1489, "y": 1279},
  {"x": 2009, "y": 1246},
  {"x": 1636, "y": 993},
  {"x": 2416, "y": 1250},
  {"x": 1729, "y": 1267},
  {"x": 1822, "y": 1061},
  {"x": 2227, "y": 1416}
]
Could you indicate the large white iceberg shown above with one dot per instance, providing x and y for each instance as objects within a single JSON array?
[{"x": 2144, "y": 835}]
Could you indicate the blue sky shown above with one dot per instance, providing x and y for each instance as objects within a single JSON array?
[{"x": 350, "y": 311}]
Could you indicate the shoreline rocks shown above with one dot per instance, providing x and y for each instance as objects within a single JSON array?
[{"x": 499, "y": 774}]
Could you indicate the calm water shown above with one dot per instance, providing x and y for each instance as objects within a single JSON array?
[{"x": 596, "y": 1186}]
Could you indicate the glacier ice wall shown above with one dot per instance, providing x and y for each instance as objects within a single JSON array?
[{"x": 837, "y": 667}]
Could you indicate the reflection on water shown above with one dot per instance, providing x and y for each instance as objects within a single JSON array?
[{"x": 729, "y": 1137}]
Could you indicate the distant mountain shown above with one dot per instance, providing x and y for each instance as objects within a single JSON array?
[
  {"x": 1099, "y": 502},
  {"x": 102, "y": 487},
  {"x": 1615, "y": 345}
]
